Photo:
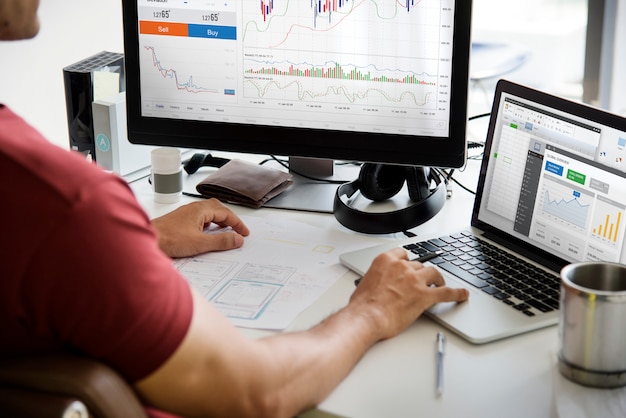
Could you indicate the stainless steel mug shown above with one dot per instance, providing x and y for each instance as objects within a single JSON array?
[{"x": 592, "y": 326}]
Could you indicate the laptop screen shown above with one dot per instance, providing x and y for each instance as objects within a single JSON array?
[{"x": 554, "y": 175}]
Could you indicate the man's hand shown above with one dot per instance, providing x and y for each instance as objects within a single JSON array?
[
  {"x": 397, "y": 291},
  {"x": 181, "y": 233}
]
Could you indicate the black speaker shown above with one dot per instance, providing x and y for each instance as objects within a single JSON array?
[
  {"x": 80, "y": 92},
  {"x": 378, "y": 182}
]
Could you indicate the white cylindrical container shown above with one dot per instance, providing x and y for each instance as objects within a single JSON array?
[{"x": 166, "y": 175}]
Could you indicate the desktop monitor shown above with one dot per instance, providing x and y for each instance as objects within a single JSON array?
[{"x": 359, "y": 80}]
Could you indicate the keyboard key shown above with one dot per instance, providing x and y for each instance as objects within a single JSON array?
[
  {"x": 539, "y": 306},
  {"x": 490, "y": 290},
  {"x": 439, "y": 243},
  {"x": 430, "y": 247},
  {"x": 462, "y": 274},
  {"x": 554, "y": 304}
]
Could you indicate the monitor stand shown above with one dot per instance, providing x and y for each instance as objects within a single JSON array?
[{"x": 313, "y": 195}]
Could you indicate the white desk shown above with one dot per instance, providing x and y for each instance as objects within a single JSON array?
[{"x": 396, "y": 378}]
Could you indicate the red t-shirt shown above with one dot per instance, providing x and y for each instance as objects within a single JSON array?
[{"x": 81, "y": 268}]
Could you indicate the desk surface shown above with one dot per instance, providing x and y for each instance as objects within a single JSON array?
[{"x": 396, "y": 378}]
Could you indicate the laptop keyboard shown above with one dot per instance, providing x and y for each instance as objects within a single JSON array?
[{"x": 496, "y": 272}]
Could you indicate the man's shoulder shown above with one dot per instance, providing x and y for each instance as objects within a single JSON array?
[{"x": 40, "y": 168}]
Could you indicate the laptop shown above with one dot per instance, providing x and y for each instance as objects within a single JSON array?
[{"x": 551, "y": 191}]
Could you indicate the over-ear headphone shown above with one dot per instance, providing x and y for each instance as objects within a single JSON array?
[{"x": 378, "y": 182}]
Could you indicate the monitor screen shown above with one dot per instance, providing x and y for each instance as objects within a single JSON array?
[{"x": 360, "y": 80}]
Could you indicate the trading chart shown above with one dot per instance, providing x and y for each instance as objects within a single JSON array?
[{"x": 386, "y": 64}]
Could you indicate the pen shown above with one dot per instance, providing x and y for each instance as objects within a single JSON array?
[
  {"x": 428, "y": 256},
  {"x": 422, "y": 259},
  {"x": 441, "y": 341}
]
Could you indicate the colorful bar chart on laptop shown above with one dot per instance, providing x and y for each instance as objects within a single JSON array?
[{"x": 607, "y": 222}]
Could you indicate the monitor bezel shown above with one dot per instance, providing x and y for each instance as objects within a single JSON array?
[{"x": 305, "y": 142}]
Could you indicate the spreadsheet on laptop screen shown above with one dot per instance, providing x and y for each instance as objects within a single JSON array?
[{"x": 557, "y": 181}]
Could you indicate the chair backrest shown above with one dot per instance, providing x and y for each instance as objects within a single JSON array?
[{"x": 64, "y": 386}]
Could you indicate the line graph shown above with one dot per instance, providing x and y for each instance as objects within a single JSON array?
[
  {"x": 570, "y": 210},
  {"x": 297, "y": 90},
  {"x": 568, "y": 205},
  {"x": 294, "y": 23},
  {"x": 366, "y": 51},
  {"x": 181, "y": 84},
  {"x": 339, "y": 82}
]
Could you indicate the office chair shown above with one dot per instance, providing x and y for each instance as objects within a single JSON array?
[{"x": 64, "y": 386}]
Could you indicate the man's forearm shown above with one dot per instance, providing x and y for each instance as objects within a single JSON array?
[{"x": 312, "y": 363}]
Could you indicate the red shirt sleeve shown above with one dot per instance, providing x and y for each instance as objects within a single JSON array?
[{"x": 103, "y": 286}]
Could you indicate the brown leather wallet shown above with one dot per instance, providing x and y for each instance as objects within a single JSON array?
[{"x": 244, "y": 183}]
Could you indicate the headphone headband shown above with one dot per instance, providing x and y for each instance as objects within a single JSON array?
[{"x": 393, "y": 221}]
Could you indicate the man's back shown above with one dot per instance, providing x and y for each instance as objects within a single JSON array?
[{"x": 81, "y": 268}]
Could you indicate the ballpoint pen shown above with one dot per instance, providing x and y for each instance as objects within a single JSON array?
[{"x": 441, "y": 341}]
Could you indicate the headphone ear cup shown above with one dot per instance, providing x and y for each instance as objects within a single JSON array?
[
  {"x": 418, "y": 183},
  {"x": 379, "y": 182}
]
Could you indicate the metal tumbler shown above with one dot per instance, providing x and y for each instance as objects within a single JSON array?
[{"x": 592, "y": 327}]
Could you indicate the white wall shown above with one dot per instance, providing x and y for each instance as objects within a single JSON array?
[
  {"x": 613, "y": 95},
  {"x": 552, "y": 31},
  {"x": 32, "y": 70}
]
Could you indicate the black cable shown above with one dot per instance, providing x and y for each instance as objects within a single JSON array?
[
  {"x": 480, "y": 115},
  {"x": 451, "y": 178},
  {"x": 474, "y": 144},
  {"x": 470, "y": 145},
  {"x": 197, "y": 195}
]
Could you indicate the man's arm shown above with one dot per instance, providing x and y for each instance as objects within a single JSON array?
[{"x": 216, "y": 371}]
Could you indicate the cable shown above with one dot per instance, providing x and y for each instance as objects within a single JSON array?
[
  {"x": 470, "y": 145},
  {"x": 451, "y": 178},
  {"x": 480, "y": 115},
  {"x": 197, "y": 195}
]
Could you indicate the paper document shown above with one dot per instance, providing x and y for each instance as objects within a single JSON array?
[{"x": 283, "y": 267}]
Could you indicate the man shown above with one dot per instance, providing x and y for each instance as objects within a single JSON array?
[{"x": 85, "y": 271}]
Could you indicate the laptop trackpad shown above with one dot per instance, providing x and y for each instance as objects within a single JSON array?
[{"x": 481, "y": 318}]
